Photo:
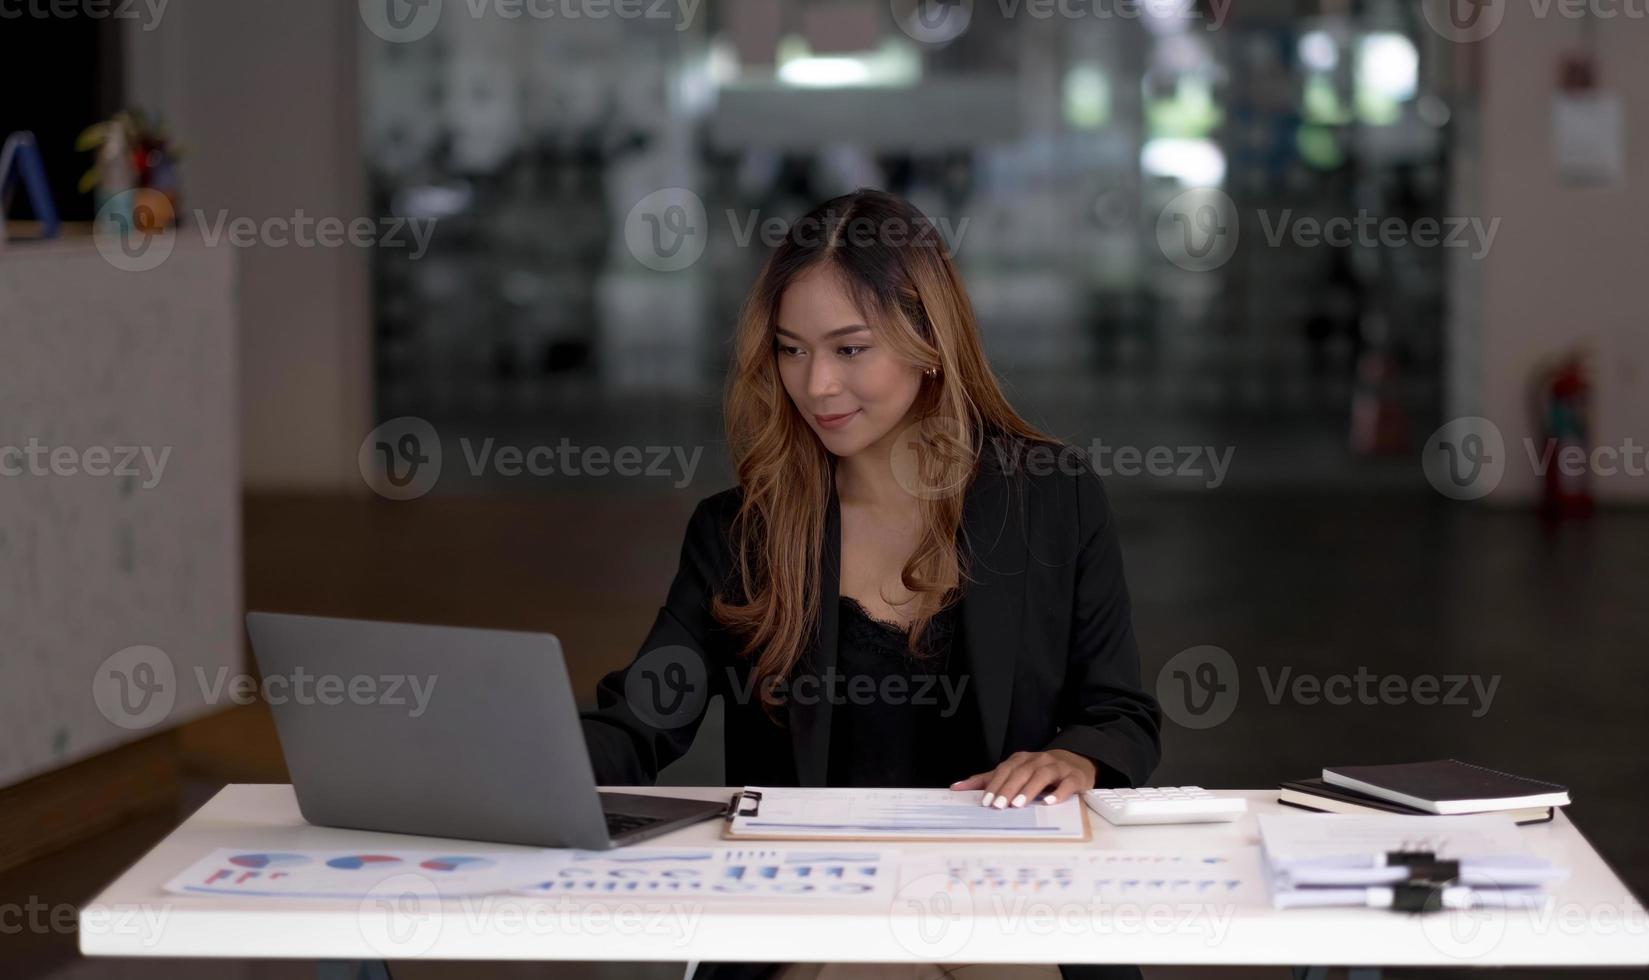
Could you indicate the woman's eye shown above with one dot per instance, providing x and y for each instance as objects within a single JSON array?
[
  {"x": 789, "y": 351},
  {"x": 851, "y": 351}
]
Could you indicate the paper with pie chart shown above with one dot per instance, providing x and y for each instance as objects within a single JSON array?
[{"x": 355, "y": 874}]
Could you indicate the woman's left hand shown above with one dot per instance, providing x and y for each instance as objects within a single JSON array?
[{"x": 1050, "y": 776}]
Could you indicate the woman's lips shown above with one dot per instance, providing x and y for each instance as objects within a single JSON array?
[{"x": 835, "y": 421}]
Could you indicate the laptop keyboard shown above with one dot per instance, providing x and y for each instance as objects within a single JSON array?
[{"x": 623, "y": 823}]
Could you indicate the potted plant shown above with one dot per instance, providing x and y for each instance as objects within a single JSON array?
[{"x": 134, "y": 152}]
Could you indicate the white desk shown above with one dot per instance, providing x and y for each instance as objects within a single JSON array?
[{"x": 1593, "y": 921}]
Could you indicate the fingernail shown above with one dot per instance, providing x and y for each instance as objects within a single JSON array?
[
  {"x": 987, "y": 800},
  {"x": 1001, "y": 801},
  {"x": 1048, "y": 799},
  {"x": 1019, "y": 800}
]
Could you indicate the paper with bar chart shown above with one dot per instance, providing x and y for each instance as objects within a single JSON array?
[
  {"x": 1223, "y": 878},
  {"x": 765, "y": 873}
]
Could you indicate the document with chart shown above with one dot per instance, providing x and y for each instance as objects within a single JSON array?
[
  {"x": 815, "y": 813},
  {"x": 360, "y": 874},
  {"x": 862, "y": 874},
  {"x": 1229, "y": 877}
]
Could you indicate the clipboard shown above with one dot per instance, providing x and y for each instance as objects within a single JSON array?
[{"x": 747, "y": 803}]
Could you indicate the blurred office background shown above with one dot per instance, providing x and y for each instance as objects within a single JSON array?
[{"x": 1129, "y": 189}]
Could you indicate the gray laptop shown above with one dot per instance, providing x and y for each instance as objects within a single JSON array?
[{"x": 444, "y": 732}]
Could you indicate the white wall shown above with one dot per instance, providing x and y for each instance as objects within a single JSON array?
[
  {"x": 1570, "y": 264},
  {"x": 105, "y": 550},
  {"x": 263, "y": 96}
]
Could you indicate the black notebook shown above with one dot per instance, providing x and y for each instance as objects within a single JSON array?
[
  {"x": 1316, "y": 795},
  {"x": 1448, "y": 786}
]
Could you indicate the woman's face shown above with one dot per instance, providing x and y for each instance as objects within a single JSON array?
[{"x": 853, "y": 391}]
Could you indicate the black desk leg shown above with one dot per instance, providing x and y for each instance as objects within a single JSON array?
[{"x": 352, "y": 970}]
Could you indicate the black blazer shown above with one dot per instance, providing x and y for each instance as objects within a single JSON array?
[{"x": 1046, "y": 636}]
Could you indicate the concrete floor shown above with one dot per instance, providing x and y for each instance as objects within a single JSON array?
[{"x": 1323, "y": 582}]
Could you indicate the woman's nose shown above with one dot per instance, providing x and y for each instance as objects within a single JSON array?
[{"x": 822, "y": 380}]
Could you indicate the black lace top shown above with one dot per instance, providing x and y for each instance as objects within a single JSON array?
[{"x": 898, "y": 720}]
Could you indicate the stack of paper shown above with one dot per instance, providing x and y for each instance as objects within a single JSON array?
[{"x": 1399, "y": 861}]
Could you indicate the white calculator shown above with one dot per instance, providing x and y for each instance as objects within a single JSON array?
[{"x": 1164, "y": 804}]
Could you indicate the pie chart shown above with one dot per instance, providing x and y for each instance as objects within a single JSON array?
[
  {"x": 267, "y": 860},
  {"x": 353, "y": 862},
  {"x": 456, "y": 864}
]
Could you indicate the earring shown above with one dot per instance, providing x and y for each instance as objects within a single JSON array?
[{"x": 931, "y": 372}]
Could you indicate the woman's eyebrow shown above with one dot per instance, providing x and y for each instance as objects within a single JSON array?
[{"x": 838, "y": 332}]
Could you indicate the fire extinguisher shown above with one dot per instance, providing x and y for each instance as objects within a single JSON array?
[{"x": 1563, "y": 407}]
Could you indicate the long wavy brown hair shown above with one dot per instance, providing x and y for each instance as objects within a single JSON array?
[{"x": 901, "y": 278}]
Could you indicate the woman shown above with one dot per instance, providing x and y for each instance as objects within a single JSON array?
[{"x": 910, "y": 585}]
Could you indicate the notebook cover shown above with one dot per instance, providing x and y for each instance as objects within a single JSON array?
[
  {"x": 1444, "y": 783},
  {"x": 1306, "y": 793}
]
